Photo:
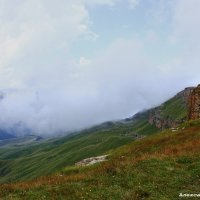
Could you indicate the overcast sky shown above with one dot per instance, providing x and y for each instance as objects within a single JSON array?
[{"x": 69, "y": 64}]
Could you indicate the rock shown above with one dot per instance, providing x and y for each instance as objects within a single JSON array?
[
  {"x": 174, "y": 129},
  {"x": 163, "y": 122},
  {"x": 194, "y": 104},
  {"x": 92, "y": 160}
]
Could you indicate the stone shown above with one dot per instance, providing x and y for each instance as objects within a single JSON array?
[
  {"x": 161, "y": 122},
  {"x": 194, "y": 104}
]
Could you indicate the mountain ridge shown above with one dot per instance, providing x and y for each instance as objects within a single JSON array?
[
  {"x": 171, "y": 113},
  {"x": 33, "y": 160}
]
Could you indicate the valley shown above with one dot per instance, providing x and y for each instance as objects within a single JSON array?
[{"x": 143, "y": 153}]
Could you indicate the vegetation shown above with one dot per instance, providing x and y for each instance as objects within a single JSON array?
[
  {"x": 31, "y": 161},
  {"x": 160, "y": 166},
  {"x": 175, "y": 108}
]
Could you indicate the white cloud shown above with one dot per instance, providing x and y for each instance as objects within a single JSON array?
[
  {"x": 35, "y": 32},
  {"x": 133, "y": 3},
  {"x": 50, "y": 92},
  {"x": 185, "y": 33},
  {"x": 100, "y": 2},
  {"x": 185, "y": 21},
  {"x": 84, "y": 61}
]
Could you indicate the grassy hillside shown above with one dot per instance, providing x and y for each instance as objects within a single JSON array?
[
  {"x": 171, "y": 113},
  {"x": 31, "y": 161},
  {"x": 174, "y": 108},
  {"x": 158, "y": 167}
]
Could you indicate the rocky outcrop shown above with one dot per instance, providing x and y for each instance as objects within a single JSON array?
[
  {"x": 183, "y": 106},
  {"x": 155, "y": 118},
  {"x": 185, "y": 94},
  {"x": 92, "y": 160},
  {"x": 194, "y": 104},
  {"x": 158, "y": 116}
]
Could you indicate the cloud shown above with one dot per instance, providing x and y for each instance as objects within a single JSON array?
[
  {"x": 100, "y": 2},
  {"x": 186, "y": 30},
  {"x": 48, "y": 91},
  {"x": 84, "y": 61},
  {"x": 186, "y": 23},
  {"x": 38, "y": 31},
  {"x": 133, "y": 3}
]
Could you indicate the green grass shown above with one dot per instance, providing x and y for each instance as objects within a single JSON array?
[
  {"x": 32, "y": 160},
  {"x": 36, "y": 160},
  {"x": 175, "y": 109},
  {"x": 158, "y": 167}
]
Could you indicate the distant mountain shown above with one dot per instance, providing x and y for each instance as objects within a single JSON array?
[{"x": 4, "y": 135}]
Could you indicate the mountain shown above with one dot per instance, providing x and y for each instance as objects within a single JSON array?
[
  {"x": 39, "y": 159},
  {"x": 28, "y": 160},
  {"x": 20, "y": 141},
  {"x": 59, "y": 155},
  {"x": 4, "y": 135},
  {"x": 162, "y": 166},
  {"x": 170, "y": 114},
  {"x": 163, "y": 116},
  {"x": 173, "y": 112}
]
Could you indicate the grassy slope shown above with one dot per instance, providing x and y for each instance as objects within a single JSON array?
[
  {"x": 174, "y": 108},
  {"x": 158, "y": 167},
  {"x": 23, "y": 163},
  {"x": 38, "y": 160}
]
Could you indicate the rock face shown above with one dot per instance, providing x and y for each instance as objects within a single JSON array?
[
  {"x": 185, "y": 94},
  {"x": 161, "y": 122},
  {"x": 183, "y": 106},
  {"x": 158, "y": 116},
  {"x": 194, "y": 104}
]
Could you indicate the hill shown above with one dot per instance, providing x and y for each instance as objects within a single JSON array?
[
  {"x": 33, "y": 159},
  {"x": 171, "y": 113},
  {"x": 160, "y": 166}
]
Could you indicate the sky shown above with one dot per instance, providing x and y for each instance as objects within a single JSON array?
[{"x": 69, "y": 64}]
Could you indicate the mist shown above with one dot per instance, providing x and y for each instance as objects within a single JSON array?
[{"x": 47, "y": 88}]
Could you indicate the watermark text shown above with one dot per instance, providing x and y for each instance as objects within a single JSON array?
[{"x": 189, "y": 195}]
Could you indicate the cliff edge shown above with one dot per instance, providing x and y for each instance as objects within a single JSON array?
[{"x": 194, "y": 104}]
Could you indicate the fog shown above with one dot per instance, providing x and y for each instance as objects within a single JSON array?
[{"x": 46, "y": 89}]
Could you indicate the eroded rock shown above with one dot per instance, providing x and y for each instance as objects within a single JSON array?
[
  {"x": 92, "y": 160},
  {"x": 194, "y": 104}
]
